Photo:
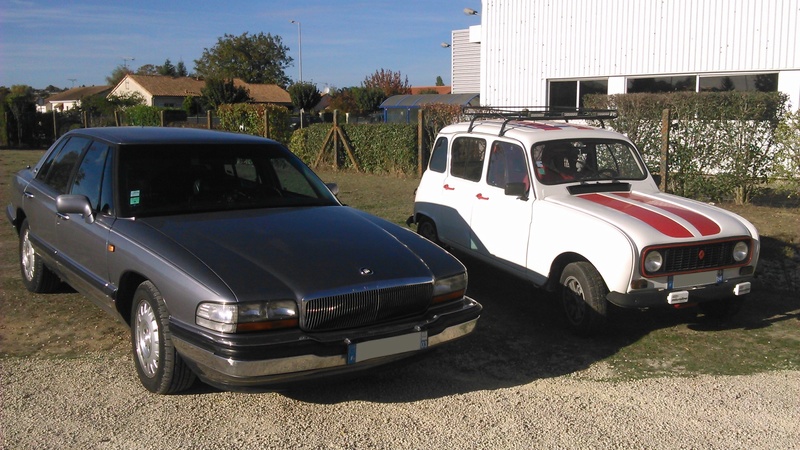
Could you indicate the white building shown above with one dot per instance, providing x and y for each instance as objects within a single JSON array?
[{"x": 552, "y": 52}]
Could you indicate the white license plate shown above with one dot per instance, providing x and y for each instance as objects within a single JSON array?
[
  {"x": 363, "y": 351},
  {"x": 694, "y": 279}
]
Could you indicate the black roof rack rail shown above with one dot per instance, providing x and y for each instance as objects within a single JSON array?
[{"x": 509, "y": 113}]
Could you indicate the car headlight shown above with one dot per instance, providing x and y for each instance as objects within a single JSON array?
[
  {"x": 653, "y": 261},
  {"x": 244, "y": 317},
  {"x": 740, "y": 251},
  {"x": 450, "y": 288}
]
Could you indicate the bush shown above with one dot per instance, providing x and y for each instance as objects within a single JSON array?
[
  {"x": 721, "y": 146},
  {"x": 249, "y": 118}
]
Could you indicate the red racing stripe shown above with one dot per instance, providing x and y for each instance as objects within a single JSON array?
[
  {"x": 658, "y": 221},
  {"x": 704, "y": 225}
]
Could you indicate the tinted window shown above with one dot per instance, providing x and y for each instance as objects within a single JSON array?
[
  {"x": 89, "y": 177},
  {"x": 180, "y": 179},
  {"x": 466, "y": 159},
  {"x": 64, "y": 163},
  {"x": 662, "y": 84},
  {"x": 586, "y": 160},
  {"x": 763, "y": 82},
  {"x": 439, "y": 156},
  {"x": 507, "y": 165},
  {"x": 42, "y": 174}
]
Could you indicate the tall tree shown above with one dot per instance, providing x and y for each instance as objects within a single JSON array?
[
  {"x": 257, "y": 58},
  {"x": 391, "y": 83},
  {"x": 167, "y": 69},
  {"x": 117, "y": 75},
  {"x": 439, "y": 81},
  {"x": 147, "y": 69},
  {"x": 221, "y": 92},
  {"x": 180, "y": 70},
  {"x": 304, "y": 95},
  {"x": 22, "y": 105}
]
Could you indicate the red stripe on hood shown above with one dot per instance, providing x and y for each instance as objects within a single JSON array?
[
  {"x": 658, "y": 221},
  {"x": 704, "y": 225}
]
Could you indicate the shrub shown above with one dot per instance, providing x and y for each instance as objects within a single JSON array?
[{"x": 249, "y": 118}]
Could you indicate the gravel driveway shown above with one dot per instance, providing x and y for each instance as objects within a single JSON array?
[{"x": 96, "y": 402}]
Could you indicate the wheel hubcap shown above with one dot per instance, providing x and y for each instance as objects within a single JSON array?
[
  {"x": 146, "y": 338},
  {"x": 28, "y": 256},
  {"x": 574, "y": 303}
]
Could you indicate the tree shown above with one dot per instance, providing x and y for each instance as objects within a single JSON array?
[
  {"x": 343, "y": 100},
  {"x": 368, "y": 99},
  {"x": 257, "y": 58},
  {"x": 147, "y": 69},
  {"x": 439, "y": 81},
  {"x": 167, "y": 69},
  {"x": 22, "y": 105},
  {"x": 220, "y": 92},
  {"x": 391, "y": 83},
  {"x": 180, "y": 70},
  {"x": 117, "y": 75},
  {"x": 304, "y": 95}
]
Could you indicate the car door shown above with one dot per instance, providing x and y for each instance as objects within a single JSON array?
[
  {"x": 40, "y": 195},
  {"x": 83, "y": 243},
  {"x": 499, "y": 222},
  {"x": 467, "y": 154}
]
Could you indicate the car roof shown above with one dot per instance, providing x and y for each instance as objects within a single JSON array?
[
  {"x": 165, "y": 135},
  {"x": 532, "y": 130}
]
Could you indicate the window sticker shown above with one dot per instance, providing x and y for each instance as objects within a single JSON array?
[{"x": 134, "y": 197}]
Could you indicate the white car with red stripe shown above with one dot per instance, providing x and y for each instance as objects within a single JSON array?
[{"x": 573, "y": 208}]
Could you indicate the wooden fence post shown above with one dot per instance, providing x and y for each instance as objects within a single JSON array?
[
  {"x": 55, "y": 126},
  {"x": 161, "y": 117},
  {"x": 208, "y": 120},
  {"x": 664, "y": 169}
]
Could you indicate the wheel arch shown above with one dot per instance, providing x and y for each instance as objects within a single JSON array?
[{"x": 128, "y": 283}]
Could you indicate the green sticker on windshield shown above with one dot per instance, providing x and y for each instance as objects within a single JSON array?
[{"x": 135, "y": 197}]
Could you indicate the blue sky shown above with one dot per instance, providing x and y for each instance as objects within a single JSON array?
[{"x": 50, "y": 42}]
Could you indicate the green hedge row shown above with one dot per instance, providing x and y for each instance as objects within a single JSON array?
[
  {"x": 377, "y": 148},
  {"x": 248, "y": 118},
  {"x": 721, "y": 144}
]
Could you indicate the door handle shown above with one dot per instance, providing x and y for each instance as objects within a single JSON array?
[
  {"x": 448, "y": 188},
  {"x": 481, "y": 197},
  {"x": 28, "y": 194},
  {"x": 63, "y": 216}
]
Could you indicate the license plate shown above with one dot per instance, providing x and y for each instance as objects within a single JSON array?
[
  {"x": 694, "y": 279},
  {"x": 363, "y": 351}
]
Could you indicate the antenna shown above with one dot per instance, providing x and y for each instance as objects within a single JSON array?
[{"x": 73, "y": 81}]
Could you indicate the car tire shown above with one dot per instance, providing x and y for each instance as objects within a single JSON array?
[
  {"x": 427, "y": 229},
  {"x": 36, "y": 276},
  {"x": 159, "y": 366},
  {"x": 583, "y": 298}
]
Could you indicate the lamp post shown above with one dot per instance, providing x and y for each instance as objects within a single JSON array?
[{"x": 299, "y": 48}]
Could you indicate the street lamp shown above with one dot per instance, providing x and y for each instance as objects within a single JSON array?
[
  {"x": 470, "y": 12},
  {"x": 299, "y": 48},
  {"x": 445, "y": 45}
]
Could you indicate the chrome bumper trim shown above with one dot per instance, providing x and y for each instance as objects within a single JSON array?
[{"x": 229, "y": 371}]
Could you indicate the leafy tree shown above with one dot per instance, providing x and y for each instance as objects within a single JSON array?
[
  {"x": 167, "y": 69},
  {"x": 221, "y": 92},
  {"x": 192, "y": 105},
  {"x": 343, "y": 100},
  {"x": 21, "y": 103},
  {"x": 147, "y": 69},
  {"x": 304, "y": 95},
  {"x": 180, "y": 70},
  {"x": 439, "y": 81},
  {"x": 391, "y": 83},
  {"x": 368, "y": 99},
  {"x": 117, "y": 75},
  {"x": 256, "y": 58},
  {"x": 126, "y": 101}
]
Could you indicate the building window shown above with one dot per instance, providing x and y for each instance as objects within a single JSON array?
[
  {"x": 762, "y": 82},
  {"x": 662, "y": 84},
  {"x": 569, "y": 94}
]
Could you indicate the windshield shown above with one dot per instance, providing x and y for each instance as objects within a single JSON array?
[
  {"x": 586, "y": 160},
  {"x": 178, "y": 179}
]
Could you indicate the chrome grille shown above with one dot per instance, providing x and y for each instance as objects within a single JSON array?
[
  {"x": 683, "y": 259},
  {"x": 355, "y": 309}
]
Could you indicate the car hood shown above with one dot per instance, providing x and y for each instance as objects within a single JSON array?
[
  {"x": 659, "y": 217},
  {"x": 310, "y": 251}
]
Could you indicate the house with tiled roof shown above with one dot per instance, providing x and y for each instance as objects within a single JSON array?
[
  {"x": 70, "y": 99},
  {"x": 169, "y": 92}
]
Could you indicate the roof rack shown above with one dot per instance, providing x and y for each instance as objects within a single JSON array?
[{"x": 509, "y": 113}]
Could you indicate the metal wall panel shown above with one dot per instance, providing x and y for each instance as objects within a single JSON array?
[
  {"x": 527, "y": 42},
  {"x": 465, "y": 64}
]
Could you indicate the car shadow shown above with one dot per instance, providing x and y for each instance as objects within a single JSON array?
[{"x": 522, "y": 337}]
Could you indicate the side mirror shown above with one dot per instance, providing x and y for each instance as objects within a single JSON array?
[
  {"x": 517, "y": 190},
  {"x": 333, "y": 187},
  {"x": 75, "y": 204}
]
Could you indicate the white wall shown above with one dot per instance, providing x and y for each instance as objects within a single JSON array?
[{"x": 524, "y": 43}]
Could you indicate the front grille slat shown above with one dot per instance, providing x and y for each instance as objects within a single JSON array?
[
  {"x": 355, "y": 309},
  {"x": 687, "y": 258}
]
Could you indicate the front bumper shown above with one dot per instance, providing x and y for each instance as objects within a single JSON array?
[
  {"x": 278, "y": 358},
  {"x": 647, "y": 298}
]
